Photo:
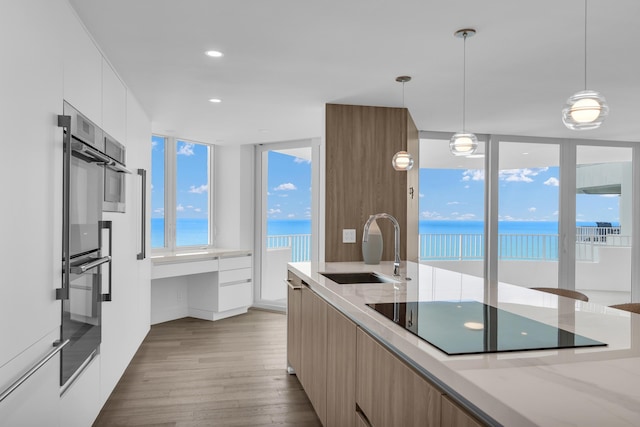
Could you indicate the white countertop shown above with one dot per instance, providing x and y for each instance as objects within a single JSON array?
[
  {"x": 597, "y": 386},
  {"x": 196, "y": 255}
]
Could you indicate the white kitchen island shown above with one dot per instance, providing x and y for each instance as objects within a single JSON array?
[{"x": 593, "y": 386}]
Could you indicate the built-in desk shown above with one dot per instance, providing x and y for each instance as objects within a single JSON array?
[{"x": 210, "y": 285}]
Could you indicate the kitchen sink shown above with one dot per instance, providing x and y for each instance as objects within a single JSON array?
[{"x": 351, "y": 278}]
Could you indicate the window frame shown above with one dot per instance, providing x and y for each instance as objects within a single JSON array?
[{"x": 170, "y": 195}]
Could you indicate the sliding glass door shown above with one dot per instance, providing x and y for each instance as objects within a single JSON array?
[
  {"x": 604, "y": 222},
  {"x": 528, "y": 208},
  {"x": 557, "y": 213},
  {"x": 285, "y": 216}
]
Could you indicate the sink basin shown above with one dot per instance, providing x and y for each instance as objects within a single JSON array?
[{"x": 350, "y": 278}]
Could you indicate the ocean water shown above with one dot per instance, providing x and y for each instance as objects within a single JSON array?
[{"x": 194, "y": 231}]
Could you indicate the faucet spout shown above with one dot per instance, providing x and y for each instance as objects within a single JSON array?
[{"x": 396, "y": 229}]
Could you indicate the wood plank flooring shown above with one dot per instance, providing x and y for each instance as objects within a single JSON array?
[{"x": 192, "y": 372}]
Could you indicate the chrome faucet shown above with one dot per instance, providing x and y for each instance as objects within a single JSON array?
[{"x": 396, "y": 228}]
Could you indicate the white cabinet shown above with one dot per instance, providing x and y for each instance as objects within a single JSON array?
[
  {"x": 234, "y": 284},
  {"x": 82, "y": 70},
  {"x": 114, "y": 104}
]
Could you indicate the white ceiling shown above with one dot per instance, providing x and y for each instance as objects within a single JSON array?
[{"x": 284, "y": 59}]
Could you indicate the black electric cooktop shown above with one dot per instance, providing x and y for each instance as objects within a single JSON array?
[{"x": 471, "y": 327}]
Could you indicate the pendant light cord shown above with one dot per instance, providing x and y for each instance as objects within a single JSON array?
[
  {"x": 585, "y": 44},
  {"x": 464, "y": 80}
]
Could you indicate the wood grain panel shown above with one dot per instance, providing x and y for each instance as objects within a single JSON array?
[
  {"x": 360, "y": 181},
  {"x": 294, "y": 311},
  {"x": 313, "y": 352},
  {"x": 413, "y": 195},
  {"x": 341, "y": 370},
  {"x": 390, "y": 393},
  {"x": 454, "y": 416}
]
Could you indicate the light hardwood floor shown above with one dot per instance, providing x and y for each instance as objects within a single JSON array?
[{"x": 192, "y": 372}]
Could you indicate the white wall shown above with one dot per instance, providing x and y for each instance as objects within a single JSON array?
[
  {"x": 234, "y": 173},
  {"x": 47, "y": 57}
]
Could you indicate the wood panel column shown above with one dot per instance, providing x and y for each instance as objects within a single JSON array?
[{"x": 360, "y": 181}]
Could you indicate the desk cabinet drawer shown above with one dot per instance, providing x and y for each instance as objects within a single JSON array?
[
  {"x": 234, "y": 296},
  {"x": 230, "y": 276},
  {"x": 234, "y": 263}
]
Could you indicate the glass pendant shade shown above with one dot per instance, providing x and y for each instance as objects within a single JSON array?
[
  {"x": 585, "y": 110},
  {"x": 402, "y": 161},
  {"x": 463, "y": 144}
]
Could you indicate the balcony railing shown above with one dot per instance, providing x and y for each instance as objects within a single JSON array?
[
  {"x": 470, "y": 247},
  {"x": 300, "y": 245}
]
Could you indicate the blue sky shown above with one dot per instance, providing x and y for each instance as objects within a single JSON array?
[
  {"x": 289, "y": 187},
  {"x": 192, "y": 189},
  {"x": 529, "y": 194}
]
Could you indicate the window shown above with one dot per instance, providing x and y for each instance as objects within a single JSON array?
[{"x": 181, "y": 179}]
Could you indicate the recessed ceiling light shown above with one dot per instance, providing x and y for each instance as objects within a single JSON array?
[
  {"x": 215, "y": 100},
  {"x": 214, "y": 53},
  {"x": 525, "y": 153},
  {"x": 263, "y": 130}
]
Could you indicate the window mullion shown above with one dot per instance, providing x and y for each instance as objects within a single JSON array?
[{"x": 170, "y": 194}]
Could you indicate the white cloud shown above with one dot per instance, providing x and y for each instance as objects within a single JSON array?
[
  {"x": 154, "y": 143},
  {"x": 455, "y": 213},
  {"x": 556, "y": 213},
  {"x": 609, "y": 195},
  {"x": 198, "y": 210},
  {"x": 554, "y": 182},
  {"x": 453, "y": 203},
  {"x": 199, "y": 190},
  {"x": 283, "y": 195},
  {"x": 186, "y": 149},
  {"x": 179, "y": 208},
  {"x": 291, "y": 216},
  {"x": 467, "y": 216},
  {"x": 273, "y": 211},
  {"x": 532, "y": 209},
  {"x": 466, "y": 186},
  {"x": 301, "y": 160},
  {"x": 430, "y": 215},
  {"x": 520, "y": 175},
  {"x": 159, "y": 210},
  {"x": 473, "y": 175},
  {"x": 421, "y": 195},
  {"x": 287, "y": 186},
  {"x": 189, "y": 206}
]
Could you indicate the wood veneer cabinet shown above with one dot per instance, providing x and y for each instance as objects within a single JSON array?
[
  {"x": 313, "y": 351},
  {"x": 454, "y": 416},
  {"x": 294, "y": 311},
  {"x": 388, "y": 392},
  {"x": 341, "y": 370}
]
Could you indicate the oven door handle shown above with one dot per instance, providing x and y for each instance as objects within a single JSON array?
[
  {"x": 83, "y": 268},
  {"x": 113, "y": 165},
  {"x": 88, "y": 151},
  {"x": 64, "y": 122},
  {"x": 107, "y": 225}
]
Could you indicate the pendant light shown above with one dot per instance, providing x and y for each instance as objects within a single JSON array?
[
  {"x": 586, "y": 109},
  {"x": 402, "y": 160},
  {"x": 464, "y": 143}
]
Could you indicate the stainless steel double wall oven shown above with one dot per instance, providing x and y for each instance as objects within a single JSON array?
[{"x": 90, "y": 176}]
